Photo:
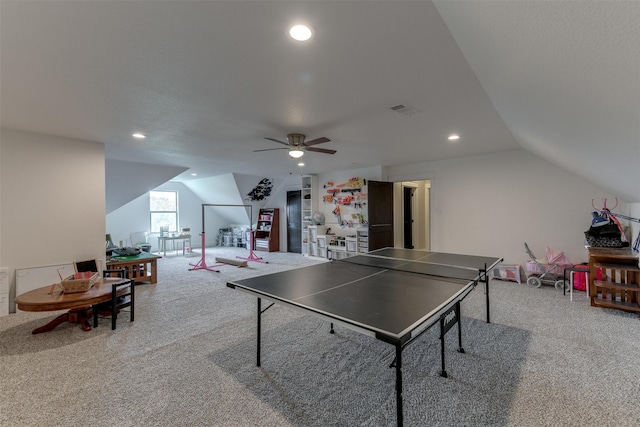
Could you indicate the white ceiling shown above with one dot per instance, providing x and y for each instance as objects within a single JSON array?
[{"x": 208, "y": 80}]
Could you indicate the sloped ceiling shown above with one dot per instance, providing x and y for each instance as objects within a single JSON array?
[
  {"x": 125, "y": 181},
  {"x": 230, "y": 192},
  {"x": 565, "y": 78},
  {"x": 207, "y": 81}
]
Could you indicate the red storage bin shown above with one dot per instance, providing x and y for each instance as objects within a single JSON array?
[{"x": 580, "y": 278}]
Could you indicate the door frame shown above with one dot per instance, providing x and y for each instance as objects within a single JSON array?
[{"x": 422, "y": 212}]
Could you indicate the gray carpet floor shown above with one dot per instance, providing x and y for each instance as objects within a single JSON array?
[{"x": 189, "y": 360}]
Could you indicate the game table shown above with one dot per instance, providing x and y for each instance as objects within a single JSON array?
[
  {"x": 140, "y": 268},
  {"x": 391, "y": 294},
  {"x": 79, "y": 304}
]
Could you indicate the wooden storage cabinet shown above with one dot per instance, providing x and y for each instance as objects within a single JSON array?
[
  {"x": 614, "y": 277},
  {"x": 268, "y": 230}
]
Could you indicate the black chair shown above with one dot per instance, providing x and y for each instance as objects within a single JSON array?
[
  {"x": 122, "y": 295},
  {"x": 89, "y": 265}
]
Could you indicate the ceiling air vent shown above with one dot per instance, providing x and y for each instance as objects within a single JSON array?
[{"x": 404, "y": 109}]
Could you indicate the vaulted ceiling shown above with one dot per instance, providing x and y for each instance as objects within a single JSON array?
[{"x": 207, "y": 81}]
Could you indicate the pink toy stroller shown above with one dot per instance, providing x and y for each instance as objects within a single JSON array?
[{"x": 550, "y": 271}]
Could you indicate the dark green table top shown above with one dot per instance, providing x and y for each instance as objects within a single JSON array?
[{"x": 140, "y": 256}]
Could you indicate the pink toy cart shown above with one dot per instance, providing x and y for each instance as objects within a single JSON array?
[{"x": 549, "y": 271}]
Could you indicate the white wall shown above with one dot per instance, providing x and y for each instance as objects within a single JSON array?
[
  {"x": 134, "y": 216},
  {"x": 492, "y": 204},
  {"x": 51, "y": 201}
]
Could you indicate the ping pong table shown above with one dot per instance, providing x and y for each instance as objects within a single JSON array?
[{"x": 391, "y": 294}]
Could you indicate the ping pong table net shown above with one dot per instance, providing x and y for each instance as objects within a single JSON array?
[{"x": 419, "y": 266}]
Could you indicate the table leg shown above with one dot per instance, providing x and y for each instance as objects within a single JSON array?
[
  {"x": 80, "y": 316},
  {"x": 259, "y": 325},
  {"x": 398, "y": 365},
  {"x": 484, "y": 274},
  {"x": 153, "y": 267},
  {"x": 443, "y": 371},
  {"x": 459, "y": 315},
  {"x": 570, "y": 285},
  {"x": 49, "y": 326}
]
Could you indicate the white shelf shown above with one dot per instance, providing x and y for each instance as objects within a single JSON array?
[
  {"x": 362, "y": 239},
  {"x": 322, "y": 241},
  {"x": 308, "y": 207},
  {"x": 352, "y": 244}
]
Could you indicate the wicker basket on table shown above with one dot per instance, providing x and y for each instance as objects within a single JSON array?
[{"x": 79, "y": 282}]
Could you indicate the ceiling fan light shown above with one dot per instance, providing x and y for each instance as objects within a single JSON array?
[{"x": 296, "y": 153}]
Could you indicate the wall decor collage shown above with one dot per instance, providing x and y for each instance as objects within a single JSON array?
[{"x": 345, "y": 203}]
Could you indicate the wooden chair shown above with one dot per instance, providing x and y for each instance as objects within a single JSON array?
[{"x": 122, "y": 295}]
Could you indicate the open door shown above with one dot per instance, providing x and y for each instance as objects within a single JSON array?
[{"x": 380, "y": 214}]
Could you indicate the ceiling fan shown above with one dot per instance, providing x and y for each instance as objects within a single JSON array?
[{"x": 297, "y": 145}]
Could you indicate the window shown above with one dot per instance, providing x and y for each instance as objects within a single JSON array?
[{"x": 163, "y": 206}]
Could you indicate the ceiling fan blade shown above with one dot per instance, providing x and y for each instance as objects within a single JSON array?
[
  {"x": 321, "y": 150},
  {"x": 279, "y": 142},
  {"x": 270, "y": 149},
  {"x": 316, "y": 141}
]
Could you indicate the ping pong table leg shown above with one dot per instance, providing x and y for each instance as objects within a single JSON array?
[
  {"x": 443, "y": 371},
  {"x": 398, "y": 365},
  {"x": 259, "y": 328},
  {"x": 460, "y": 348},
  {"x": 485, "y": 278}
]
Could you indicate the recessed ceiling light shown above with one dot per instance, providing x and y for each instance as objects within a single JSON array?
[
  {"x": 454, "y": 137},
  {"x": 139, "y": 135},
  {"x": 301, "y": 164},
  {"x": 300, "y": 32},
  {"x": 194, "y": 174}
]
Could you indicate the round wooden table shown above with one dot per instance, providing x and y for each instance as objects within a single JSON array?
[{"x": 79, "y": 304}]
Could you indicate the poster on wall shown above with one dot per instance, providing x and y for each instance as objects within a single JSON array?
[
  {"x": 260, "y": 191},
  {"x": 345, "y": 202}
]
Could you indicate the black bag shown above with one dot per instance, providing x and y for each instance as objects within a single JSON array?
[
  {"x": 604, "y": 241},
  {"x": 604, "y": 236},
  {"x": 609, "y": 230}
]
